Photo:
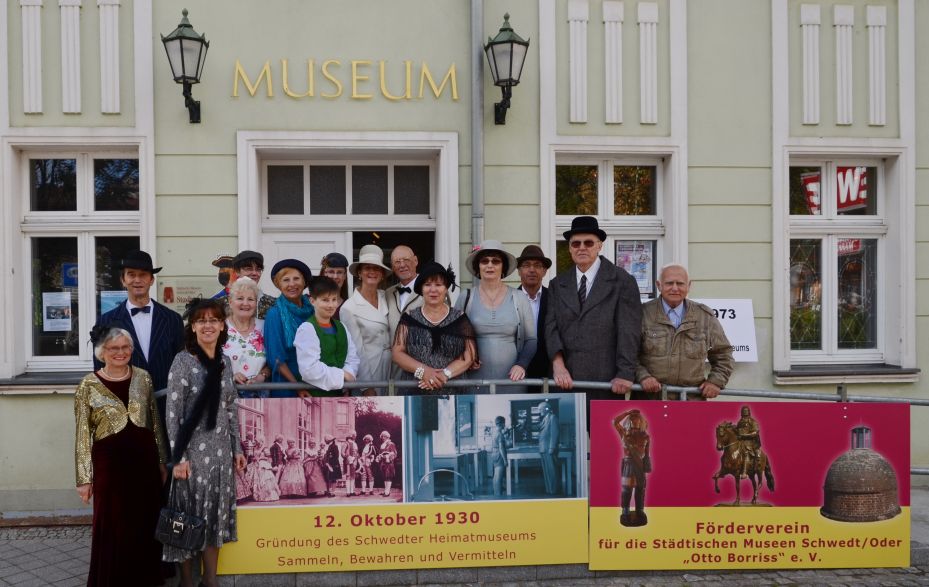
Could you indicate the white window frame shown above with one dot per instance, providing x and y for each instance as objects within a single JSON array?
[
  {"x": 441, "y": 148},
  {"x": 892, "y": 226},
  {"x": 349, "y": 221},
  {"x": 84, "y": 224},
  {"x": 667, "y": 226}
]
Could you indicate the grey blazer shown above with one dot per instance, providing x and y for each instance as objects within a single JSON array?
[{"x": 600, "y": 342}]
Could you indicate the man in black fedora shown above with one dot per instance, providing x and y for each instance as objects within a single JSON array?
[
  {"x": 157, "y": 331},
  {"x": 532, "y": 264},
  {"x": 594, "y": 320}
]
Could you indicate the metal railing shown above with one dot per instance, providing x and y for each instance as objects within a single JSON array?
[{"x": 548, "y": 386}]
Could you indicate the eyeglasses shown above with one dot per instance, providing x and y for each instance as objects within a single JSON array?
[
  {"x": 118, "y": 349},
  {"x": 532, "y": 265},
  {"x": 491, "y": 261},
  {"x": 208, "y": 321},
  {"x": 587, "y": 244}
]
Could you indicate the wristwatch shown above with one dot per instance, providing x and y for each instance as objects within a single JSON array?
[{"x": 447, "y": 372}]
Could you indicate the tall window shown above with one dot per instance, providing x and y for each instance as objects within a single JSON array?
[
  {"x": 81, "y": 215},
  {"x": 626, "y": 197},
  {"x": 838, "y": 235}
]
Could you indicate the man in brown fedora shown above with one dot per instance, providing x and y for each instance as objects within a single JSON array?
[
  {"x": 532, "y": 264},
  {"x": 594, "y": 320}
]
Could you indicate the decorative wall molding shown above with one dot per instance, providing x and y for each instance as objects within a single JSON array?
[
  {"x": 578, "y": 17},
  {"x": 613, "y": 60},
  {"x": 648, "y": 62},
  {"x": 809, "y": 27},
  {"x": 844, "y": 22},
  {"x": 877, "y": 65},
  {"x": 70, "y": 56},
  {"x": 109, "y": 55},
  {"x": 32, "y": 55}
]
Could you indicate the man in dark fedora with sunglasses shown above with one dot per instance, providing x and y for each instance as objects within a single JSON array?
[
  {"x": 594, "y": 319},
  {"x": 157, "y": 331}
]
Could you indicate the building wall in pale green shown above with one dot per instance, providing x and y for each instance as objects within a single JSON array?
[
  {"x": 827, "y": 126},
  {"x": 52, "y": 115},
  {"x": 596, "y": 100},
  {"x": 37, "y": 459}
]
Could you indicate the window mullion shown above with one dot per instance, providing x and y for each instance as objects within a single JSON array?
[
  {"x": 390, "y": 189},
  {"x": 306, "y": 190},
  {"x": 86, "y": 285},
  {"x": 830, "y": 294},
  {"x": 605, "y": 189},
  {"x": 348, "y": 189}
]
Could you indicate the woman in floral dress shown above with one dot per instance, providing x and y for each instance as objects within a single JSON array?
[
  {"x": 293, "y": 483},
  {"x": 245, "y": 344}
]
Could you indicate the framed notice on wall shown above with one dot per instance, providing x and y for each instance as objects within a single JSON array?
[{"x": 638, "y": 258}]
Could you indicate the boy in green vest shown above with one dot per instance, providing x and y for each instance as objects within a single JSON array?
[{"x": 326, "y": 355}]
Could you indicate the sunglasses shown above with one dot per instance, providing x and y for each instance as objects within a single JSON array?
[
  {"x": 491, "y": 261},
  {"x": 589, "y": 243}
]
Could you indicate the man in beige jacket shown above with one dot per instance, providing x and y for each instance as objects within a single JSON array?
[{"x": 679, "y": 337}]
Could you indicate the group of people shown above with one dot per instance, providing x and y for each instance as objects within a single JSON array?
[
  {"x": 586, "y": 326},
  {"x": 274, "y": 472}
]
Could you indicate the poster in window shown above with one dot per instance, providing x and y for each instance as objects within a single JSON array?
[
  {"x": 56, "y": 311},
  {"x": 638, "y": 258},
  {"x": 111, "y": 299}
]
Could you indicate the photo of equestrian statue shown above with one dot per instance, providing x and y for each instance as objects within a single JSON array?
[{"x": 742, "y": 456}]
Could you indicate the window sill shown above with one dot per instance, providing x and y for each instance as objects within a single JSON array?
[
  {"x": 813, "y": 374},
  {"x": 42, "y": 383}
]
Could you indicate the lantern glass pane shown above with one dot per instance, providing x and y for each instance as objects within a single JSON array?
[
  {"x": 491, "y": 61},
  {"x": 202, "y": 60},
  {"x": 519, "y": 58},
  {"x": 503, "y": 54},
  {"x": 191, "y": 50},
  {"x": 173, "y": 48}
]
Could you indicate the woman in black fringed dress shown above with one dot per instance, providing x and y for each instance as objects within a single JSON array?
[
  {"x": 434, "y": 343},
  {"x": 120, "y": 459}
]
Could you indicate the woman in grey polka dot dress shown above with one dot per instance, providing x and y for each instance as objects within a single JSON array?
[{"x": 203, "y": 430}]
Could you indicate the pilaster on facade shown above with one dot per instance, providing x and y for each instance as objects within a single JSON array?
[
  {"x": 844, "y": 22},
  {"x": 809, "y": 27},
  {"x": 877, "y": 65},
  {"x": 32, "y": 55},
  {"x": 578, "y": 18},
  {"x": 70, "y": 56},
  {"x": 109, "y": 55},
  {"x": 648, "y": 62},
  {"x": 613, "y": 60}
]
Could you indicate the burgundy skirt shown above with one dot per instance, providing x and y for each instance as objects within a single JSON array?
[{"x": 127, "y": 500}]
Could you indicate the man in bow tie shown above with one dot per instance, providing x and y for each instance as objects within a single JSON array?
[
  {"x": 679, "y": 337},
  {"x": 157, "y": 331},
  {"x": 401, "y": 297}
]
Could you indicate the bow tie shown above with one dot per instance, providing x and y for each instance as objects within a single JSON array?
[
  {"x": 143, "y": 309},
  {"x": 404, "y": 290}
]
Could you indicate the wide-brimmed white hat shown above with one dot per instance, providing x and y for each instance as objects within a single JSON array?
[
  {"x": 369, "y": 255},
  {"x": 490, "y": 246}
]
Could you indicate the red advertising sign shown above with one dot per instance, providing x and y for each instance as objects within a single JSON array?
[
  {"x": 849, "y": 246},
  {"x": 851, "y": 188},
  {"x": 811, "y": 186}
]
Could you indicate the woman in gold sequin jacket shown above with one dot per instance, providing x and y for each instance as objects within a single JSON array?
[{"x": 119, "y": 458}]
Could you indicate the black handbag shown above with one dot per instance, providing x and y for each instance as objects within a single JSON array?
[{"x": 179, "y": 529}]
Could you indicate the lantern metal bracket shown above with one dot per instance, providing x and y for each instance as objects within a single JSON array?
[{"x": 193, "y": 106}]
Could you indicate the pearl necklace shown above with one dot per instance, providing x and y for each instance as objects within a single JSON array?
[
  {"x": 444, "y": 316},
  {"x": 120, "y": 378}
]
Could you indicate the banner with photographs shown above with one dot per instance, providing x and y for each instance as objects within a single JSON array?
[
  {"x": 410, "y": 482},
  {"x": 711, "y": 485}
]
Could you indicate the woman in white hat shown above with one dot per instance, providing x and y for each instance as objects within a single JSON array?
[
  {"x": 364, "y": 314},
  {"x": 501, "y": 316}
]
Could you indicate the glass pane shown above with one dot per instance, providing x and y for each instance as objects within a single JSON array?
[
  {"x": 805, "y": 294},
  {"x": 805, "y": 190},
  {"x": 856, "y": 191},
  {"x": 562, "y": 256},
  {"x": 285, "y": 189},
  {"x": 53, "y": 185},
  {"x": 108, "y": 250},
  {"x": 116, "y": 184},
  {"x": 411, "y": 189},
  {"x": 327, "y": 189},
  {"x": 576, "y": 190},
  {"x": 54, "y": 296},
  {"x": 857, "y": 291},
  {"x": 634, "y": 190},
  {"x": 369, "y": 189}
]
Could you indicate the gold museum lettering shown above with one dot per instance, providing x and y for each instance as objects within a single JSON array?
[{"x": 359, "y": 79}]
